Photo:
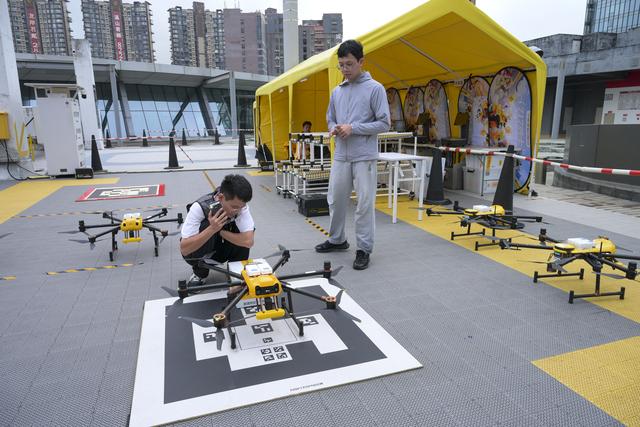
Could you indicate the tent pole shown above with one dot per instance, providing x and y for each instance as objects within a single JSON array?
[
  {"x": 389, "y": 73},
  {"x": 430, "y": 58}
]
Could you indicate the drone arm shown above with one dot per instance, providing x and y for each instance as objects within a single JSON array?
[
  {"x": 305, "y": 274},
  {"x": 288, "y": 287},
  {"x": 107, "y": 215},
  {"x": 524, "y": 245},
  {"x": 85, "y": 227},
  {"x": 631, "y": 257},
  {"x": 235, "y": 301},
  {"x": 282, "y": 261},
  {"x": 212, "y": 286},
  {"x": 152, "y": 228},
  {"x": 160, "y": 214},
  {"x": 204, "y": 263},
  {"x": 157, "y": 221},
  {"x": 112, "y": 230}
]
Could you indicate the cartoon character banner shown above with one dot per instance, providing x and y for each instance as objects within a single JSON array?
[
  {"x": 413, "y": 107},
  {"x": 395, "y": 108},
  {"x": 436, "y": 106},
  {"x": 510, "y": 117},
  {"x": 474, "y": 100}
]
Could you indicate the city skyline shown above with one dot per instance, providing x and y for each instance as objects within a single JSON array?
[{"x": 524, "y": 19}]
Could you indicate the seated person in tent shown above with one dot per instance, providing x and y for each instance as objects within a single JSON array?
[{"x": 218, "y": 225}]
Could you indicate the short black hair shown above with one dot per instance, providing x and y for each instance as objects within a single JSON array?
[
  {"x": 351, "y": 47},
  {"x": 306, "y": 122},
  {"x": 236, "y": 186}
]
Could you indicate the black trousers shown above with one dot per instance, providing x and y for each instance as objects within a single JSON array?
[{"x": 223, "y": 251}]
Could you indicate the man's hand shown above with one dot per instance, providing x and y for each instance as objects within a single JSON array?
[
  {"x": 343, "y": 131},
  {"x": 217, "y": 220}
]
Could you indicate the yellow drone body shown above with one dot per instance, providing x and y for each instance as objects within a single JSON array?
[
  {"x": 482, "y": 210},
  {"x": 262, "y": 283},
  {"x": 584, "y": 246},
  {"x": 131, "y": 225}
]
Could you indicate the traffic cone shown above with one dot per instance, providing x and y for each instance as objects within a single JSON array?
[
  {"x": 242, "y": 157},
  {"x": 107, "y": 143},
  {"x": 504, "y": 191},
  {"x": 173, "y": 158},
  {"x": 216, "y": 137},
  {"x": 145, "y": 143},
  {"x": 435, "y": 190},
  {"x": 96, "y": 164},
  {"x": 184, "y": 138}
]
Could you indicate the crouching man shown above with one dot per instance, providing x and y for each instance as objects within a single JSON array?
[{"x": 218, "y": 225}]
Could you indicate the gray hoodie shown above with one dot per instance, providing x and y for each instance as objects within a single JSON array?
[{"x": 362, "y": 104}]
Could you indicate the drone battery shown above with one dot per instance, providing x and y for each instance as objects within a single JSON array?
[
  {"x": 313, "y": 205},
  {"x": 252, "y": 270}
]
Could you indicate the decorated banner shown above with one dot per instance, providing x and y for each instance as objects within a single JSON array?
[
  {"x": 395, "y": 108},
  {"x": 413, "y": 107},
  {"x": 510, "y": 117},
  {"x": 474, "y": 100},
  {"x": 436, "y": 108}
]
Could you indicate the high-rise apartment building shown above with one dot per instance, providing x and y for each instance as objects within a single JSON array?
[
  {"x": 316, "y": 36},
  {"x": 40, "y": 26},
  {"x": 197, "y": 36},
  {"x": 117, "y": 30},
  {"x": 244, "y": 39},
  {"x": 274, "y": 41},
  {"x": 611, "y": 16}
]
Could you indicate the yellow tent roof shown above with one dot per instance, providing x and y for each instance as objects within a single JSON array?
[{"x": 442, "y": 39}]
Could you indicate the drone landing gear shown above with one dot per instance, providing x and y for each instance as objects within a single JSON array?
[
  {"x": 288, "y": 308},
  {"x": 596, "y": 293},
  {"x": 493, "y": 242},
  {"x": 114, "y": 246},
  {"x": 468, "y": 233},
  {"x": 558, "y": 273}
]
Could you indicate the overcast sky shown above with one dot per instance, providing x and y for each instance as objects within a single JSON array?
[{"x": 526, "y": 19}]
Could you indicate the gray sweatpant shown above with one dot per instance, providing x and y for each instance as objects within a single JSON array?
[{"x": 343, "y": 178}]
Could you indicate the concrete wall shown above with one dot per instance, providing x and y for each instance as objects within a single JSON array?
[
  {"x": 581, "y": 99},
  {"x": 606, "y": 146}
]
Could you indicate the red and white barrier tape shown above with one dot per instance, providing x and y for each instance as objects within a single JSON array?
[
  {"x": 177, "y": 136},
  {"x": 585, "y": 169}
]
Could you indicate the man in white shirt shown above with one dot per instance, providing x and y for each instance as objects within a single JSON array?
[{"x": 219, "y": 223}]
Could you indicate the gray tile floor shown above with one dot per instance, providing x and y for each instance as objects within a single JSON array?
[{"x": 68, "y": 343}]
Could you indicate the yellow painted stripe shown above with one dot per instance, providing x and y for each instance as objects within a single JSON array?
[
  {"x": 23, "y": 195},
  {"x": 607, "y": 375},
  {"x": 260, "y": 173},
  {"x": 442, "y": 226},
  {"x": 206, "y": 175},
  {"x": 78, "y": 270},
  {"x": 8, "y": 278}
]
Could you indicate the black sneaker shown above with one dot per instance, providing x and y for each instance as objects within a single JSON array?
[
  {"x": 327, "y": 246},
  {"x": 195, "y": 281},
  {"x": 362, "y": 260}
]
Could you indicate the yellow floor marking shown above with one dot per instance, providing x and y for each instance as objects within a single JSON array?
[
  {"x": 206, "y": 175},
  {"x": 19, "y": 197},
  {"x": 607, "y": 375},
  {"x": 442, "y": 226},
  {"x": 260, "y": 173}
]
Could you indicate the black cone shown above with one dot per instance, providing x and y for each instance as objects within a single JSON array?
[
  {"x": 173, "y": 158},
  {"x": 107, "y": 143},
  {"x": 242, "y": 157},
  {"x": 216, "y": 137},
  {"x": 145, "y": 143},
  {"x": 184, "y": 138},
  {"x": 504, "y": 191},
  {"x": 435, "y": 190},
  {"x": 96, "y": 164}
]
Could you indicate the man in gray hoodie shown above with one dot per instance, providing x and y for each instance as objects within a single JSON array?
[{"x": 358, "y": 111}]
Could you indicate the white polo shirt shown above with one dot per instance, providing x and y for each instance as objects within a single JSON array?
[{"x": 195, "y": 216}]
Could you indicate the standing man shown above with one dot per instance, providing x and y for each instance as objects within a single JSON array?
[{"x": 358, "y": 112}]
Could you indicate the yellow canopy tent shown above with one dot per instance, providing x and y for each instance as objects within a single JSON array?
[{"x": 448, "y": 40}]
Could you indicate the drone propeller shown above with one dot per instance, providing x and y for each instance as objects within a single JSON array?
[
  {"x": 620, "y": 248},
  {"x": 205, "y": 256},
  {"x": 612, "y": 275},
  {"x": 281, "y": 250},
  {"x": 554, "y": 264},
  {"x": 92, "y": 244},
  {"x": 168, "y": 234},
  {"x": 497, "y": 239},
  {"x": 2, "y": 236},
  {"x": 334, "y": 282},
  {"x": 532, "y": 220},
  {"x": 341, "y": 310}
]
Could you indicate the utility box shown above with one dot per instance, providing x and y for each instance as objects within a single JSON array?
[
  {"x": 59, "y": 127},
  {"x": 313, "y": 205},
  {"x": 481, "y": 173},
  {"x": 4, "y": 125}
]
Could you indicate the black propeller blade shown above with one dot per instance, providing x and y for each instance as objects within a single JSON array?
[
  {"x": 331, "y": 280},
  {"x": 207, "y": 324},
  {"x": 341, "y": 310}
]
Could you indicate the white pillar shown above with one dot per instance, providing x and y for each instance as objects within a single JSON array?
[
  {"x": 557, "y": 106},
  {"x": 290, "y": 32},
  {"x": 83, "y": 66},
  {"x": 10, "y": 98},
  {"x": 115, "y": 106},
  {"x": 234, "y": 104}
]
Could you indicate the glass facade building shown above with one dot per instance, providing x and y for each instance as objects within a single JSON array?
[
  {"x": 611, "y": 16},
  {"x": 160, "y": 109}
]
